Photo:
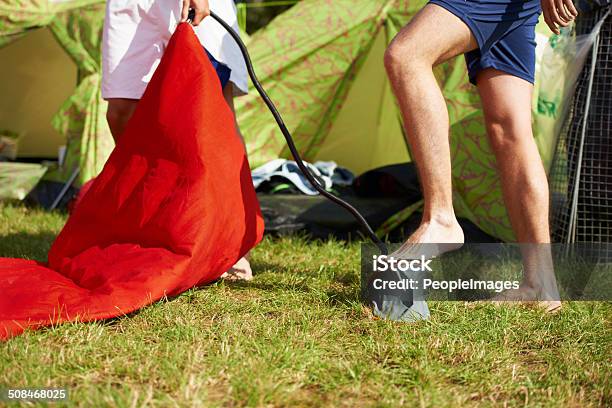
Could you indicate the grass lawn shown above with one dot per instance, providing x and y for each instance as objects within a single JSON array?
[{"x": 298, "y": 336}]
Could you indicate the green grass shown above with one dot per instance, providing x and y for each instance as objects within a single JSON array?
[{"x": 298, "y": 336}]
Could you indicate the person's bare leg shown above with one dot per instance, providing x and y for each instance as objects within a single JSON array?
[
  {"x": 506, "y": 101},
  {"x": 228, "y": 94},
  {"x": 242, "y": 269},
  {"x": 119, "y": 112},
  {"x": 433, "y": 36}
]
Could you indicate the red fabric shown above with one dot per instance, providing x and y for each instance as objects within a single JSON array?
[
  {"x": 173, "y": 208},
  {"x": 79, "y": 196}
]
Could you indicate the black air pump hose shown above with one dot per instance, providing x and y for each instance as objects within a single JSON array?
[{"x": 294, "y": 152}]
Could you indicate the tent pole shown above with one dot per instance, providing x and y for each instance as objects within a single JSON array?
[
  {"x": 571, "y": 237},
  {"x": 64, "y": 190}
]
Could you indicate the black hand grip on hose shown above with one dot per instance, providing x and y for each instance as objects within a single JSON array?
[{"x": 294, "y": 152}]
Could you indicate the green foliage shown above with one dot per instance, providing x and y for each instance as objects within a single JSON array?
[
  {"x": 260, "y": 12},
  {"x": 9, "y": 133}
]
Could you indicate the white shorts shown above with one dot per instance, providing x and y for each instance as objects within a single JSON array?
[{"x": 136, "y": 33}]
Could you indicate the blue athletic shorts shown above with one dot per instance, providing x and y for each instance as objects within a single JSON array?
[
  {"x": 223, "y": 71},
  {"x": 505, "y": 31}
]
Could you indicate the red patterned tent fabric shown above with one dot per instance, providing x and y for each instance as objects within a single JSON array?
[{"x": 173, "y": 208}]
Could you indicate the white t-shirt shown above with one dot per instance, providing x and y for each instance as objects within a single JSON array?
[{"x": 135, "y": 36}]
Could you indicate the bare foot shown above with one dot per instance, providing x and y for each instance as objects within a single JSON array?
[
  {"x": 240, "y": 271},
  {"x": 432, "y": 238},
  {"x": 529, "y": 296}
]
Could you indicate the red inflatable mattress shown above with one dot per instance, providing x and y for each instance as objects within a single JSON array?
[{"x": 173, "y": 208}]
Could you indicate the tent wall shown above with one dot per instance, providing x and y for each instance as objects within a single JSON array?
[
  {"x": 308, "y": 70},
  {"x": 19, "y": 16},
  {"x": 367, "y": 132},
  {"x": 37, "y": 78},
  {"x": 82, "y": 117},
  {"x": 77, "y": 28}
]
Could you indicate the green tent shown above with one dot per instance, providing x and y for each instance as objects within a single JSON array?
[
  {"x": 51, "y": 90},
  {"x": 322, "y": 64}
]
